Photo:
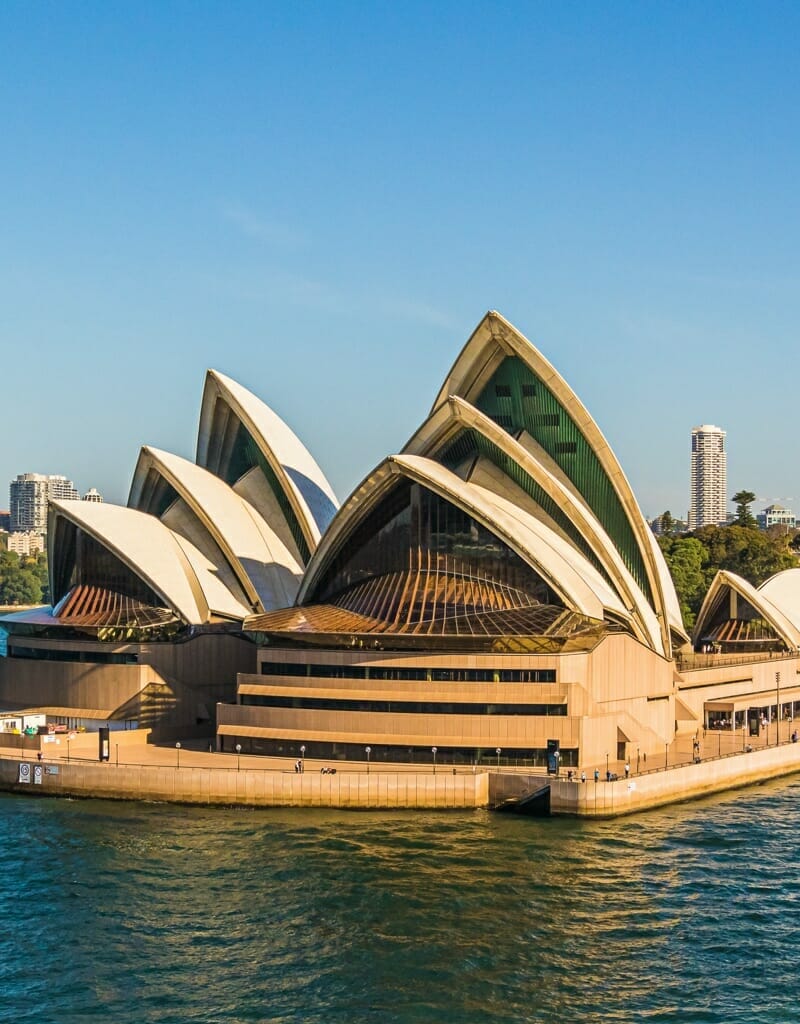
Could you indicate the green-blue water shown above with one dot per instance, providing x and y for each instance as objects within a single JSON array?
[{"x": 139, "y": 913}]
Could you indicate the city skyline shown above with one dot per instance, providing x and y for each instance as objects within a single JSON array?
[
  {"x": 330, "y": 198},
  {"x": 761, "y": 502}
]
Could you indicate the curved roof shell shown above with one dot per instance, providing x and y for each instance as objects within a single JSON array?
[
  {"x": 265, "y": 570},
  {"x": 567, "y": 572},
  {"x": 727, "y": 583},
  {"x": 500, "y": 372},
  {"x": 783, "y": 590},
  {"x": 555, "y": 500},
  {"x": 232, "y": 418},
  {"x": 140, "y": 541}
]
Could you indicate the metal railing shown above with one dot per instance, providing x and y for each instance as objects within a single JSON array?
[{"x": 687, "y": 662}]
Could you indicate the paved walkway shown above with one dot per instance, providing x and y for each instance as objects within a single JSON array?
[{"x": 195, "y": 754}]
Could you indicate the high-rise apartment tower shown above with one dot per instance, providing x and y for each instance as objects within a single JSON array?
[
  {"x": 29, "y": 495},
  {"x": 709, "y": 498}
]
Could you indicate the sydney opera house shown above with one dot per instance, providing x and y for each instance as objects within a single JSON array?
[
  {"x": 149, "y": 599},
  {"x": 490, "y": 594}
]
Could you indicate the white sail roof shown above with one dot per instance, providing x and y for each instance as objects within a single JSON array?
[
  {"x": 494, "y": 340},
  {"x": 565, "y": 570},
  {"x": 310, "y": 495},
  {"x": 265, "y": 569},
  {"x": 142, "y": 542},
  {"x": 726, "y": 582}
]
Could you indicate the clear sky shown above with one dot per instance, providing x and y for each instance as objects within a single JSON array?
[{"x": 322, "y": 199}]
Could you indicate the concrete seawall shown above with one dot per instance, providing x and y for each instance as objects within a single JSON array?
[
  {"x": 687, "y": 782},
  {"x": 386, "y": 790},
  {"x": 247, "y": 788}
]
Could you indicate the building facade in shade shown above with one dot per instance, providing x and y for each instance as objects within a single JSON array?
[
  {"x": 708, "y": 505},
  {"x": 149, "y": 598},
  {"x": 29, "y": 495},
  {"x": 490, "y": 591}
]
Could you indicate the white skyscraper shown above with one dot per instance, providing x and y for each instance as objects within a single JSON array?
[
  {"x": 29, "y": 495},
  {"x": 709, "y": 499}
]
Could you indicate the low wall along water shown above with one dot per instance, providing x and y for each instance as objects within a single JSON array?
[
  {"x": 259, "y": 787},
  {"x": 248, "y": 787}
]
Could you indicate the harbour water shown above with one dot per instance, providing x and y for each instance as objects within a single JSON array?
[{"x": 136, "y": 913}]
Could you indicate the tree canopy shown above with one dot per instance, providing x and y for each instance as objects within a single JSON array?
[
  {"x": 694, "y": 560},
  {"x": 23, "y": 579},
  {"x": 744, "y": 499}
]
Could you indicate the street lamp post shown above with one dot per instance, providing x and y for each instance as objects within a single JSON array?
[
  {"x": 666, "y": 755},
  {"x": 637, "y": 760},
  {"x": 369, "y": 751},
  {"x": 433, "y": 751},
  {"x": 302, "y": 758},
  {"x": 777, "y": 708},
  {"x": 67, "y": 749},
  {"x": 178, "y": 754},
  {"x": 116, "y": 751},
  {"x": 238, "y": 757},
  {"x": 497, "y": 751},
  {"x": 608, "y": 772}
]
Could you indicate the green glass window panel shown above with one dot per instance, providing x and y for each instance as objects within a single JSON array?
[
  {"x": 532, "y": 406},
  {"x": 244, "y": 455},
  {"x": 161, "y": 496},
  {"x": 471, "y": 444}
]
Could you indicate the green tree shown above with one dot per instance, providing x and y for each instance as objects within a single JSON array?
[
  {"x": 667, "y": 523},
  {"x": 687, "y": 558},
  {"x": 19, "y": 581},
  {"x": 744, "y": 499},
  {"x": 747, "y": 551}
]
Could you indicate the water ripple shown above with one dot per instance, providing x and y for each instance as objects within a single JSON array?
[{"x": 148, "y": 913}]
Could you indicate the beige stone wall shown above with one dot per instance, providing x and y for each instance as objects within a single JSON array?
[
  {"x": 620, "y": 690},
  {"x": 25, "y": 683},
  {"x": 168, "y": 690},
  {"x": 655, "y": 789},
  {"x": 261, "y": 788},
  {"x": 726, "y": 681}
]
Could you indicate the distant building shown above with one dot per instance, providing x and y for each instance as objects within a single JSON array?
[
  {"x": 5, "y": 520},
  {"x": 93, "y": 495},
  {"x": 709, "y": 478},
  {"x": 776, "y": 515},
  {"x": 657, "y": 525},
  {"x": 26, "y": 542},
  {"x": 29, "y": 495}
]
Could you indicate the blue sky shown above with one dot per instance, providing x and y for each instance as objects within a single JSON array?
[{"x": 322, "y": 200}]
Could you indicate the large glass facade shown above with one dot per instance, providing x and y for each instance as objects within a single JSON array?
[
  {"x": 468, "y": 445},
  {"x": 748, "y": 631},
  {"x": 157, "y": 494},
  {"x": 244, "y": 455},
  {"x": 517, "y": 399},
  {"x": 81, "y": 561},
  {"x": 419, "y": 559}
]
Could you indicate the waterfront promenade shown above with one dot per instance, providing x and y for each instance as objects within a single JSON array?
[{"x": 192, "y": 774}]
